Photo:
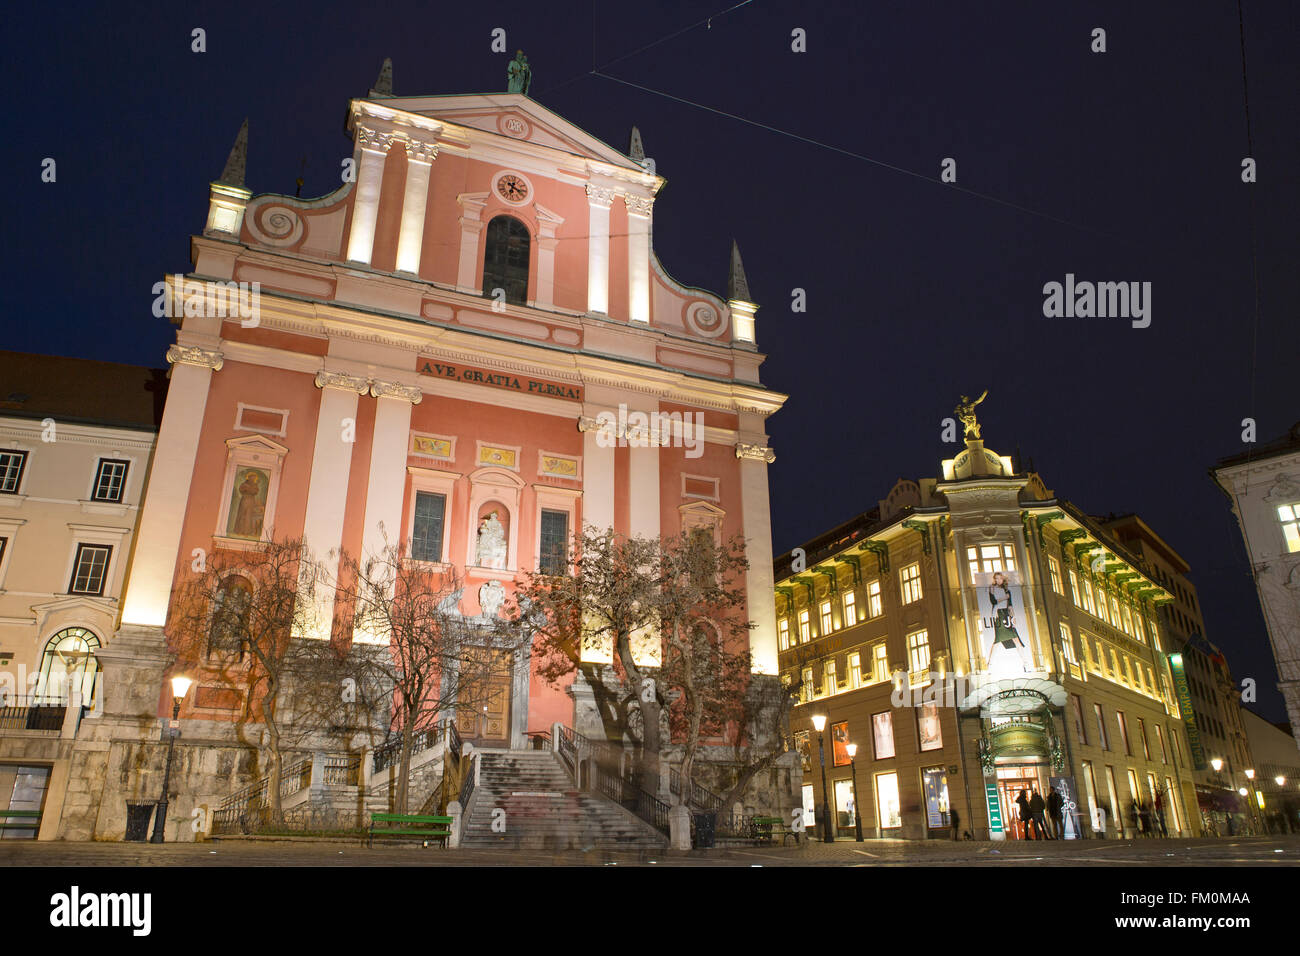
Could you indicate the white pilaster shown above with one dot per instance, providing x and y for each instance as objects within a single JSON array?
[
  {"x": 638, "y": 257},
  {"x": 598, "y": 203},
  {"x": 419, "y": 160},
  {"x": 759, "y": 582},
  {"x": 547, "y": 222},
  {"x": 370, "y": 180},
  {"x": 388, "y": 453},
  {"x": 163, "y": 513},
  {"x": 471, "y": 224},
  {"x": 643, "y": 483},
  {"x": 597, "y": 474},
  {"x": 327, "y": 494}
]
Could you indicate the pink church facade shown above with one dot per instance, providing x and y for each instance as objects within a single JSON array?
[{"x": 475, "y": 324}]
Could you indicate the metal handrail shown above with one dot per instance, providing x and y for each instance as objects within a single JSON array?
[
  {"x": 468, "y": 784},
  {"x": 293, "y": 778},
  {"x": 700, "y": 796},
  {"x": 388, "y": 753}
]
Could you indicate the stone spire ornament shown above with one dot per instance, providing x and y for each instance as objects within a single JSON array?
[
  {"x": 233, "y": 174},
  {"x": 635, "y": 149},
  {"x": 737, "y": 284},
  {"x": 384, "y": 83}
]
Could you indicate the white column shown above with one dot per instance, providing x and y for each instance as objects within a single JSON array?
[
  {"x": 598, "y": 202},
  {"x": 162, "y": 515},
  {"x": 597, "y": 474},
  {"x": 638, "y": 257},
  {"x": 370, "y": 181},
  {"x": 471, "y": 224},
  {"x": 419, "y": 159},
  {"x": 388, "y": 453},
  {"x": 757, "y": 523},
  {"x": 327, "y": 495}
]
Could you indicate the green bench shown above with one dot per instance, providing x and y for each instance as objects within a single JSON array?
[
  {"x": 409, "y": 825},
  {"x": 767, "y": 827},
  {"x": 28, "y": 815}
]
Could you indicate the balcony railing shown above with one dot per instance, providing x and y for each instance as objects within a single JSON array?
[
  {"x": 389, "y": 753},
  {"x": 31, "y": 713}
]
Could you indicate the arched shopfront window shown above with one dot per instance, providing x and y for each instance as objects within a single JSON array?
[
  {"x": 69, "y": 664},
  {"x": 226, "y": 635},
  {"x": 505, "y": 259}
]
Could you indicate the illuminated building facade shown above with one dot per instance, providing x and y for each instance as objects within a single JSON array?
[
  {"x": 1264, "y": 487},
  {"x": 975, "y": 636},
  {"x": 471, "y": 348}
]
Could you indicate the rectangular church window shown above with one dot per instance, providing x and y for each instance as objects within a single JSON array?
[{"x": 426, "y": 535}]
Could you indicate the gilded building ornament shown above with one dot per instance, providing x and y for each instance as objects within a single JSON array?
[
  {"x": 410, "y": 393},
  {"x": 965, "y": 412},
  {"x": 342, "y": 380},
  {"x": 421, "y": 151},
  {"x": 755, "y": 452},
  {"x": 370, "y": 138},
  {"x": 188, "y": 355}
]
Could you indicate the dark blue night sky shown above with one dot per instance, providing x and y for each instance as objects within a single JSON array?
[{"x": 1122, "y": 166}]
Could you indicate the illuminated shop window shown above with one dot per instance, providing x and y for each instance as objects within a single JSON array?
[
  {"x": 882, "y": 734},
  {"x": 909, "y": 583},
  {"x": 929, "y": 728},
  {"x": 887, "y": 806}
]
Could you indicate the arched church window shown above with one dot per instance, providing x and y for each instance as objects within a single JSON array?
[
  {"x": 69, "y": 664},
  {"x": 505, "y": 259},
  {"x": 230, "y": 607}
]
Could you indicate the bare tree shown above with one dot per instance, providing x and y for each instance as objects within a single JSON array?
[
  {"x": 233, "y": 623},
  {"x": 671, "y": 614},
  {"x": 434, "y": 662}
]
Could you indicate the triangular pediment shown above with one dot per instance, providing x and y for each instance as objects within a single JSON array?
[{"x": 513, "y": 116}]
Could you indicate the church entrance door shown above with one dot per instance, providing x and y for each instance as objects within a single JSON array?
[{"x": 483, "y": 715}]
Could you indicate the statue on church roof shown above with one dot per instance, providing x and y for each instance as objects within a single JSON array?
[
  {"x": 520, "y": 74},
  {"x": 965, "y": 411}
]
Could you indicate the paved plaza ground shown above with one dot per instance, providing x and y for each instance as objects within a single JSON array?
[{"x": 1243, "y": 851}]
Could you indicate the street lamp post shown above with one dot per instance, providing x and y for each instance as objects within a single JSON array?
[
  {"x": 180, "y": 687},
  {"x": 857, "y": 807},
  {"x": 819, "y": 722}
]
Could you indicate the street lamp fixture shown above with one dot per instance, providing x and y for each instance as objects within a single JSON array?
[
  {"x": 857, "y": 807},
  {"x": 1217, "y": 764},
  {"x": 1242, "y": 791},
  {"x": 1280, "y": 780},
  {"x": 819, "y": 724},
  {"x": 180, "y": 687},
  {"x": 1250, "y": 774}
]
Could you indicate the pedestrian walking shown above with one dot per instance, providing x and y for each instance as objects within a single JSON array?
[
  {"x": 1037, "y": 806},
  {"x": 1056, "y": 813},
  {"x": 1026, "y": 815}
]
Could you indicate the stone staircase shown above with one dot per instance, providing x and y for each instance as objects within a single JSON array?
[{"x": 544, "y": 810}]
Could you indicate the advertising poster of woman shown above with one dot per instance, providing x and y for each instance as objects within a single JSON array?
[
  {"x": 840, "y": 743},
  {"x": 1001, "y": 604}
]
